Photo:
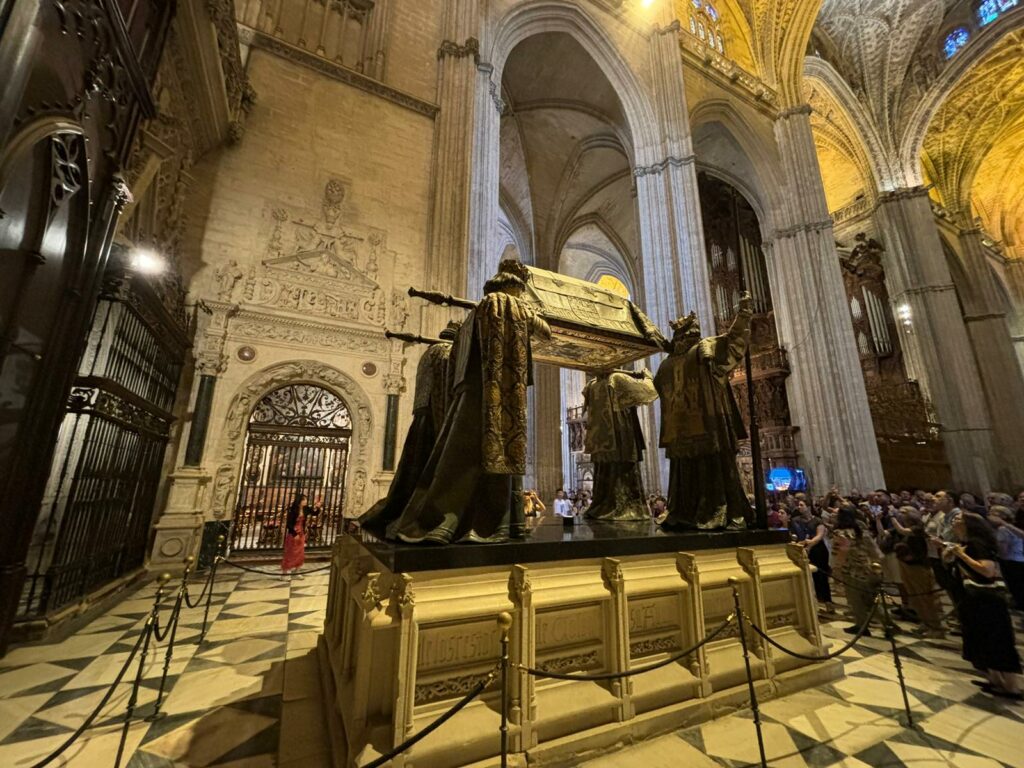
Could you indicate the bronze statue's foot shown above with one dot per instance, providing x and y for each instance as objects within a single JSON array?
[
  {"x": 475, "y": 538},
  {"x": 737, "y": 524}
]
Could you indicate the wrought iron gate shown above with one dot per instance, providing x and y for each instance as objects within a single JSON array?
[
  {"x": 297, "y": 442},
  {"x": 94, "y": 526}
]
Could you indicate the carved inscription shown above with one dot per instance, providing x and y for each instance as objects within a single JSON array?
[
  {"x": 455, "y": 646},
  {"x": 652, "y": 613},
  {"x": 572, "y": 626}
]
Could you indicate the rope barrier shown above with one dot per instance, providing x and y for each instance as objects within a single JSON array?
[
  {"x": 884, "y": 584},
  {"x": 630, "y": 672},
  {"x": 99, "y": 707},
  {"x": 209, "y": 585},
  {"x": 806, "y": 657},
  {"x": 441, "y": 720},
  {"x": 273, "y": 573}
]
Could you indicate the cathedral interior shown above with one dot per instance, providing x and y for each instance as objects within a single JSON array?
[{"x": 211, "y": 216}]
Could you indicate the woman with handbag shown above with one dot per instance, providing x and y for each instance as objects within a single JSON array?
[{"x": 984, "y": 612}]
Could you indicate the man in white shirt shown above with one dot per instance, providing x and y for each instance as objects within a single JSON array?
[{"x": 563, "y": 507}]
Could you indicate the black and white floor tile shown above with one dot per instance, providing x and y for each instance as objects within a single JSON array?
[
  {"x": 249, "y": 697},
  {"x": 859, "y": 721}
]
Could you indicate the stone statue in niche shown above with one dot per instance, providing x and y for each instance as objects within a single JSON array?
[
  {"x": 430, "y": 403},
  {"x": 399, "y": 310},
  {"x": 701, "y": 424},
  {"x": 615, "y": 443},
  {"x": 226, "y": 277},
  {"x": 465, "y": 493}
]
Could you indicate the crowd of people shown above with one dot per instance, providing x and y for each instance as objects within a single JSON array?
[{"x": 921, "y": 547}]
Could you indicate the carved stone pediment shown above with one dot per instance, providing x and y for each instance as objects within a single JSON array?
[{"x": 322, "y": 266}]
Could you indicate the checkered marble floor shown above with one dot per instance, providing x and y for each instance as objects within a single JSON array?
[
  {"x": 858, "y": 722},
  {"x": 249, "y": 696}
]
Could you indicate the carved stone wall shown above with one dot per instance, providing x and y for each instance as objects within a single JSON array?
[{"x": 304, "y": 239}]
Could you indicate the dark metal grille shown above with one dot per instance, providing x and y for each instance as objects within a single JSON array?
[
  {"x": 95, "y": 522},
  {"x": 298, "y": 442},
  {"x": 103, "y": 522}
]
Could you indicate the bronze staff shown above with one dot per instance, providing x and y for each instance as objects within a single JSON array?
[
  {"x": 409, "y": 338},
  {"x": 444, "y": 299}
]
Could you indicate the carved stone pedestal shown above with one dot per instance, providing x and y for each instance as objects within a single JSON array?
[
  {"x": 399, "y": 649},
  {"x": 179, "y": 529}
]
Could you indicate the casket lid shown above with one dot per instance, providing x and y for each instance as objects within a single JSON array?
[{"x": 592, "y": 328}]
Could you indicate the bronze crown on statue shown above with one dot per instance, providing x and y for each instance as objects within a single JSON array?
[{"x": 682, "y": 325}]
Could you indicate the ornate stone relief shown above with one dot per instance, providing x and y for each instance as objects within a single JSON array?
[{"x": 326, "y": 268}]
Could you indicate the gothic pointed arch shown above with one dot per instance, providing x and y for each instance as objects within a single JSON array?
[
  {"x": 529, "y": 19},
  {"x": 725, "y": 144},
  {"x": 842, "y": 125},
  {"x": 936, "y": 89}
]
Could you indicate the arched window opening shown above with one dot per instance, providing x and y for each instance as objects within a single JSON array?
[
  {"x": 297, "y": 442},
  {"x": 955, "y": 40},
  {"x": 704, "y": 24},
  {"x": 990, "y": 10}
]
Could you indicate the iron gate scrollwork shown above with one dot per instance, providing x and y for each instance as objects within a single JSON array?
[{"x": 297, "y": 441}]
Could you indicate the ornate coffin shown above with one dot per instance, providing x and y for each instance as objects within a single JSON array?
[{"x": 592, "y": 329}]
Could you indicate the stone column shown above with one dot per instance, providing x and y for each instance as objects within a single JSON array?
[
  {"x": 938, "y": 349},
  {"x": 178, "y": 531},
  {"x": 394, "y": 386},
  {"x": 200, "y": 420},
  {"x": 1001, "y": 378},
  {"x": 457, "y": 77},
  {"x": 547, "y": 430},
  {"x": 672, "y": 198},
  {"x": 826, "y": 390},
  {"x": 1014, "y": 272},
  {"x": 674, "y": 262}
]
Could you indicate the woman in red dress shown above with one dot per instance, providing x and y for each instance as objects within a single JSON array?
[{"x": 295, "y": 537}]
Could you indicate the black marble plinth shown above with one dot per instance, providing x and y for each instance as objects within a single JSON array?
[{"x": 549, "y": 540}]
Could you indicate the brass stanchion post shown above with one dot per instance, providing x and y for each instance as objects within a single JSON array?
[
  {"x": 735, "y": 585},
  {"x": 504, "y": 623},
  {"x": 169, "y": 653},
  {"x": 209, "y": 592},
  {"x": 161, "y": 582},
  {"x": 890, "y": 634}
]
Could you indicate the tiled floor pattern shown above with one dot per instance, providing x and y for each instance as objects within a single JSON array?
[
  {"x": 857, "y": 722},
  {"x": 251, "y": 687},
  {"x": 249, "y": 698}
]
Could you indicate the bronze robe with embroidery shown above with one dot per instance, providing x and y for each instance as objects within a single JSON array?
[
  {"x": 615, "y": 443},
  {"x": 430, "y": 402},
  {"x": 465, "y": 491},
  {"x": 700, "y": 427}
]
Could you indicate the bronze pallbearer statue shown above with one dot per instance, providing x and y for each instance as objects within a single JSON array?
[
  {"x": 430, "y": 403},
  {"x": 465, "y": 492},
  {"x": 701, "y": 424},
  {"x": 616, "y": 444}
]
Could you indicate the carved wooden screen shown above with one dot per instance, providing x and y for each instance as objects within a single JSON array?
[{"x": 298, "y": 442}]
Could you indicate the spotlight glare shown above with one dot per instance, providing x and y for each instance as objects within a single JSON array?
[{"x": 147, "y": 261}]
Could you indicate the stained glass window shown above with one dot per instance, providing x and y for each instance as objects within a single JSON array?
[
  {"x": 704, "y": 24},
  {"x": 990, "y": 10},
  {"x": 955, "y": 40}
]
